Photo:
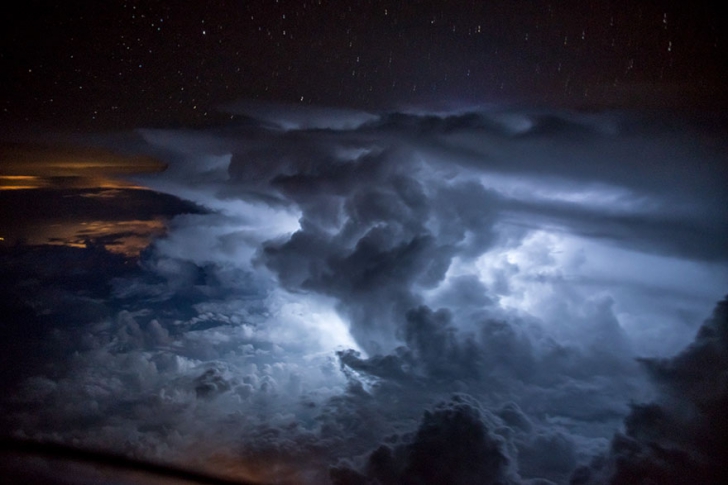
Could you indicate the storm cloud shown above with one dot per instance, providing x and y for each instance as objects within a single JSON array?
[
  {"x": 680, "y": 437},
  {"x": 472, "y": 297}
]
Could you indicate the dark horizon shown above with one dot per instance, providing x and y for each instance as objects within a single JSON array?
[{"x": 89, "y": 66}]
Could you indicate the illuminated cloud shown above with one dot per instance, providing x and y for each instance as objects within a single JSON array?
[{"x": 350, "y": 273}]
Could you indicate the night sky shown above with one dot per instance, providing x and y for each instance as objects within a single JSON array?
[
  {"x": 339, "y": 243},
  {"x": 120, "y": 64}
]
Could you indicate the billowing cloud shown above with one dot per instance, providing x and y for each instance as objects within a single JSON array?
[
  {"x": 455, "y": 443},
  {"x": 396, "y": 298},
  {"x": 680, "y": 437}
]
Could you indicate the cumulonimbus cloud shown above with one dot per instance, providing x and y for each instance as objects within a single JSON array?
[{"x": 349, "y": 276}]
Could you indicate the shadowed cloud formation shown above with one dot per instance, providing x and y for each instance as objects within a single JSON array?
[{"x": 681, "y": 437}]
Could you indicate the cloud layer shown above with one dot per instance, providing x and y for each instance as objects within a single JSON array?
[{"x": 400, "y": 298}]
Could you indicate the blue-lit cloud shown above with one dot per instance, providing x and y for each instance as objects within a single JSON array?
[{"x": 352, "y": 271}]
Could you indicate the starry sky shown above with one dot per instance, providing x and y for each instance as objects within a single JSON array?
[{"x": 85, "y": 66}]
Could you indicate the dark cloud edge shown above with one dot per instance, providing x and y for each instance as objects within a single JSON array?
[{"x": 679, "y": 438}]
